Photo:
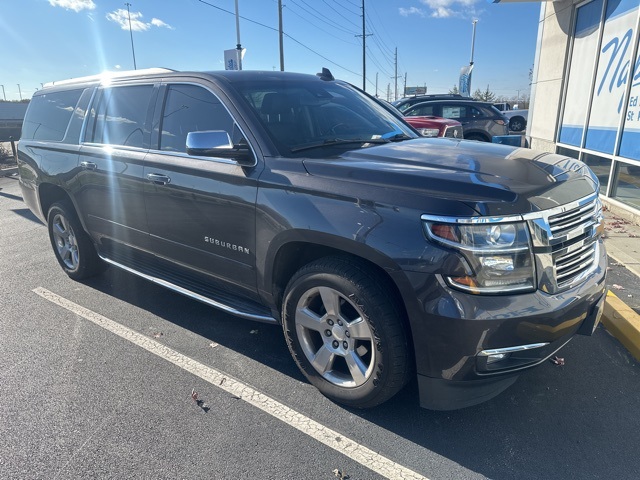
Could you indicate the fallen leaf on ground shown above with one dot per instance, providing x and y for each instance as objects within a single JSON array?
[
  {"x": 213, "y": 344},
  {"x": 558, "y": 360},
  {"x": 340, "y": 475}
]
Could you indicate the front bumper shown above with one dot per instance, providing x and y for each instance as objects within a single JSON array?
[{"x": 454, "y": 333}]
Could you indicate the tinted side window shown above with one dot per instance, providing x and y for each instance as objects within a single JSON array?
[
  {"x": 476, "y": 112},
  {"x": 421, "y": 110},
  {"x": 454, "y": 111},
  {"x": 49, "y": 114},
  {"x": 190, "y": 108},
  {"x": 121, "y": 115}
]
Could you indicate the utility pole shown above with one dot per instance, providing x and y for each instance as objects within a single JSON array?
[
  {"x": 395, "y": 75},
  {"x": 280, "y": 35},
  {"x": 404, "y": 92},
  {"x": 238, "y": 45},
  {"x": 19, "y": 92},
  {"x": 388, "y": 92},
  {"x": 364, "y": 49},
  {"x": 3, "y": 94},
  {"x": 131, "y": 35}
]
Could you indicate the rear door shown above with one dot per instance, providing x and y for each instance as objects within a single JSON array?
[
  {"x": 200, "y": 210},
  {"x": 111, "y": 190}
]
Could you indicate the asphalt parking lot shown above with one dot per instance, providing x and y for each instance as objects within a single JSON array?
[{"x": 96, "y": 381}]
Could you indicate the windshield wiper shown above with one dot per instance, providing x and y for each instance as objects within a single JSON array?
[
  {"x": 338, "y": 141},
  {"x": 398, "y": 137}
]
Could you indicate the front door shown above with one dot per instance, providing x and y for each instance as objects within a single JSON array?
[{"x": 200, "y": 210}]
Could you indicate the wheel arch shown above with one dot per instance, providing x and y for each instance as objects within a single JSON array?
[
  {"x": 469, "y": 135},
  {"x": 49, "y": 194},
  {"x": 291, "y": 254}
]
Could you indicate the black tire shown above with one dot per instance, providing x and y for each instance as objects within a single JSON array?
[
  {"x": 517, "y": 124},
  {"x": 72, "y": 247},
  {"x": 476, "y": 136},
  {"x": 360, "y": 345}
]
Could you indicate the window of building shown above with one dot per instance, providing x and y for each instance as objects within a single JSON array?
[
  {"x": 608, "y": 104},
  {"x": 628, "y": 185},
  {"x": 190, "y": 108},
  {"x": 49, "y": 114},
  {"x": 121, "y": 116},
  {"x": 585, "y": 44},
  {"x": 601, "y": 166}
]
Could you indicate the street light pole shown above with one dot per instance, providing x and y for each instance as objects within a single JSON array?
[
  {"x": 19, "y": 92},
  {"x": 3, "y": 94},
  {"x": 131, "y": 35},
  {"x": 238, "y": 45},
  {"x": 473, "y": 46}
]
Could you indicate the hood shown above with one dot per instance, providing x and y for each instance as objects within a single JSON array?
[{"x": 492, "y": 179}]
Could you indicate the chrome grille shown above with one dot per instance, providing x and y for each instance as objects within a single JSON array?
[
  {"x": 571, "y": 264},
  {"x": 566, "y": 242},
  {"x": 582, "y": 216}
]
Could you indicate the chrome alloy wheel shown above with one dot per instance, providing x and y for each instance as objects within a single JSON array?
[
  {"x": 335, "y": 337},
  {"x": 65, "y": 241}
]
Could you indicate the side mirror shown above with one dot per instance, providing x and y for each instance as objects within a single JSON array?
[{"x": 217, "y": 143}]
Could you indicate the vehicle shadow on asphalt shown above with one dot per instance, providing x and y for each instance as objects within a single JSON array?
[
  {"x": 232, "y": 332},
  {"x": 579, "y": 420}
]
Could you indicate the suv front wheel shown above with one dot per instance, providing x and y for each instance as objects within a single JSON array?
[{"x": 345, "y": 332}]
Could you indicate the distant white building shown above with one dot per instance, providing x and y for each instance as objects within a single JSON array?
[{"x": 586, "y": 91}]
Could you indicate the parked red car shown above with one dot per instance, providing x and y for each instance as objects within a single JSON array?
[{"x": 430, "y": 126}]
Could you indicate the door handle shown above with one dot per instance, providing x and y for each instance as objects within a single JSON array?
[
  {"x": 88, "y": 165},
  {"x": 158, "y": 178}
]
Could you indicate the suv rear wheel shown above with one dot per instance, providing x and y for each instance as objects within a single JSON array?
[
  {"x": 72, "y": 246},
  {"x": 345, "y": 333}
]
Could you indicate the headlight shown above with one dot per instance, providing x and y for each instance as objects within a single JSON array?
[
  {"x": 429, "y": 132},
  {"x": 499, "y": 256}
]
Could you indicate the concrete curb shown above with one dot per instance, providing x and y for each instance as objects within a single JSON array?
[{"x": 623, "y": 323}]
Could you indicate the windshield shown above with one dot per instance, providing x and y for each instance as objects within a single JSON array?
[{"x": 307, "y": 117}]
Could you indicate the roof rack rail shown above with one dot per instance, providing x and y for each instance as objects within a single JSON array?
[{"x": 109, "y": 75}]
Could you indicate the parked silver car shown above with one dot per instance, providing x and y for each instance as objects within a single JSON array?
[{"x": 480, "y": 120}]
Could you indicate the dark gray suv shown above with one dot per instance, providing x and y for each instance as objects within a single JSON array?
[
  {"x": 301, "y": 201},
  {"x": 480, "y": 120}
]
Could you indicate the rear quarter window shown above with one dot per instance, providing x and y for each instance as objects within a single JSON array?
[{"x": 49, "y": 114}]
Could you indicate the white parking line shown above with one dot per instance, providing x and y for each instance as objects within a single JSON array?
[{"x": 344, "y": 445}]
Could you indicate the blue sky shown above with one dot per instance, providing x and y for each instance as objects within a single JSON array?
[{"x": 46, "y": 40}]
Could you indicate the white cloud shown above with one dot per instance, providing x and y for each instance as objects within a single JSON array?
[
  {"x": 75, "y": 5},
  {"x": 452, "y": 8},
  {"x": 405, "y": 12},
  {"x": 156, "y": 22},
  {"x": 121, "y": 17}
]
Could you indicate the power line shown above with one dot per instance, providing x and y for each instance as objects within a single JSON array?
[
  {"x": 320, "y": 28},
  {"x": 284, "y": 33},
  {"x": 323, "y": 18},
  {"x": 341, "y": 5}
]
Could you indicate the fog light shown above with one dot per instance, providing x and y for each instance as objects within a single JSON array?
[{"x": 496, "y": 357}]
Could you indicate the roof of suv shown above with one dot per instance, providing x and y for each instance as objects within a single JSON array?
[{"x": 154, "y": 72}]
